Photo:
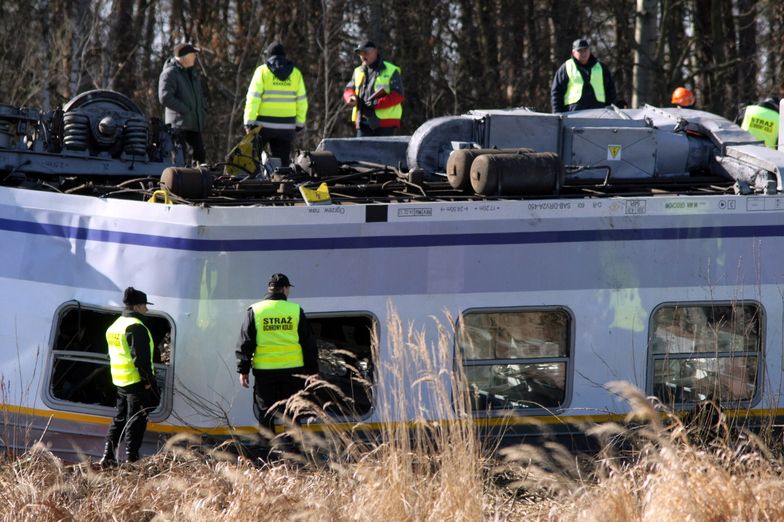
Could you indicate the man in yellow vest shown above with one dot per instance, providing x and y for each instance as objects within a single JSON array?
[
  {"x": 277, "y": 101},
  {"x": 277, "y": 344},
  {"x": 131, "y": 351},
  {"x": 375, "y": 93},
  {"x": 582, "y": 82},
  {"x": 761, "y": 120}
]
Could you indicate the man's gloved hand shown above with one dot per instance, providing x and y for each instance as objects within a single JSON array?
[
  {"x": 367, "y": 105},
  {"x": 249, "y": 128},
  {"x": 299, "y": 128},
  {"x": 153, "y": 394}
]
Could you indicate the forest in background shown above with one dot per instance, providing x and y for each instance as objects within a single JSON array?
[{"x": 455, "y": 55}]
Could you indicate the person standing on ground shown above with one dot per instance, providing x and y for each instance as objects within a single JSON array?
[
  {"x": 180, "y": 92},
  {"x": 582, "y": 82},
  {"x": 375, "y": 92},
  {"x": 276, "y": 342},
  {"x": 131, "y": 351},
  {"x": 277, "y": 101}
]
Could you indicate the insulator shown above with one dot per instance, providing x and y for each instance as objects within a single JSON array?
[{"x": 77, "y": 131}]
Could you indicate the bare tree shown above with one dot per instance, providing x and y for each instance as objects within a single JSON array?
[
  {"x": 644, "y": 53},
  {"x": 455, "y": 55}
]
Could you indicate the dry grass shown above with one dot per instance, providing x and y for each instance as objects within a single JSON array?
[
  {"x": 437, "y": 471},
  {"x": 668, "y": 471}
]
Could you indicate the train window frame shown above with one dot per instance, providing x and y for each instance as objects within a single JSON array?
[
  {"x": 314, "y": 317},
  {"x": 567, "y": 360},
  {"x": 654, "y": 356},
  {"x": 164, "y": 372}
]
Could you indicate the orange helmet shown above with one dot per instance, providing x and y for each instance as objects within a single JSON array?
[{"x": 683, "y": 97}]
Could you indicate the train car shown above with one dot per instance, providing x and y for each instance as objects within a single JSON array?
[{"x": 561, "y": 252}]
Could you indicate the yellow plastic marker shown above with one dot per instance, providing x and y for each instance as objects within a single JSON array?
[{"x": 317, "y": 196}]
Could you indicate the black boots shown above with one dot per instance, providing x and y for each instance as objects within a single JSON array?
[
  {"x": 131, "y": 455},
  {"x": 108, "y": 460}
]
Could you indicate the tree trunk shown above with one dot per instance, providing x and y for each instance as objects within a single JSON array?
[
  {"x": 747, "y": 50},
  {"x": 42, "y": 12},
  {"x": 122, "y": 43},
  {"x": 643, "y": 77}
]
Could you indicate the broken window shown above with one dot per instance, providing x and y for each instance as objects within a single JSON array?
[
  {"x": 346, "y": 362},
  {"x": 80, "y": 377},
  {"x": 705, "y": 352},
  {"x": 515, "y": 358}
]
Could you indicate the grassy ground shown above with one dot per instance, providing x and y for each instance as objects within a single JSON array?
[{"x": 658, "y": 470}]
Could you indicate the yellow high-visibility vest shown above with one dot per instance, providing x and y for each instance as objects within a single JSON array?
[
  {"x": 574, "y": 90},
  {"x": 124, "y": 372},
  {"x": 274, "y": 103},
  {"x": 382, "y": 82},
  {"x": 762, "y": 123},
  {"x": 277, "y": 340}
]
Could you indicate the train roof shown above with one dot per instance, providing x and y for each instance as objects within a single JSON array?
[{"x": 101, "y": 144}]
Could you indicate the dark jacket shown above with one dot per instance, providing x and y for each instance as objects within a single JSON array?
[
  {"x": 588, "y": 99},
  {"x": 139, "y": 343},
  {"x": 180, "y": 92},
  {"x": 246, "y": 345}
]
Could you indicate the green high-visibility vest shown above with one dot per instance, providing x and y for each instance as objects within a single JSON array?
[
  {"x": 277, "y": 340},
  {"x": 574, "y": 90},
  {"x": 382, "y": 82},
  {"x": 274, "y": 103},
  {"x": 762, "y": 123},
  {"x": 124, "y": 372}
]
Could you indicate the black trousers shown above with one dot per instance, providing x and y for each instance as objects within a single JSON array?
[
  {"x": 269, "y": 388},
  {"x": 194, "y": 139},
  {"x": 366, "y": 131},
  {"x": 279, "y": 141},
  {"x": 130, "y": 418}
]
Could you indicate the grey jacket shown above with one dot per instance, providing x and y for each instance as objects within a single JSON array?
[{"x": 180, "y": 92}]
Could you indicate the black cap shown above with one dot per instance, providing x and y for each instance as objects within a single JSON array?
[
  {"x": 364, "y": 46},
  {"x": 771, "y": 102},
  {"x": 185, "y": 48},
  {"x": 279, "y": 281},
  {"x": 132, "y": 296},
  {"x": 275, "y": 49},
  {"x": 580, "y": 43}
]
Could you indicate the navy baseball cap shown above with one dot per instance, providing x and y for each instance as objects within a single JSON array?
[
  {"x": 364, "y": 46},
  {"x": 580, "y": 43},
  {"x": 279, "y": 281},
  {"x": 132, "y": 296}
]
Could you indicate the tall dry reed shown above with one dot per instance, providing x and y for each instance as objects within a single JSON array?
[
  {"x": 658, "y": 468},
  {"x": 424, "y": 463},
  {"x": 431, "y": 467}
]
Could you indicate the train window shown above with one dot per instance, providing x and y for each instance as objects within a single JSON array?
[
  {"x": 705, "y": 352},
  {"x": 79, "y": 378},
  {"x": 345, "y": 361},
  {"x": 516, "y": 358}
]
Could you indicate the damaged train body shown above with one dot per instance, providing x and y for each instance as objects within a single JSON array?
[{"x": 639, "y": 245}]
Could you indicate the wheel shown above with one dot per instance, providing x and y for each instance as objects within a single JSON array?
[{"x": 102, "y": 99}]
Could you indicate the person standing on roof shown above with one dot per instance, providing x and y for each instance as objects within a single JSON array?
[
  {"x": 180, "y": 93},
  {"x": 683, "y": 98},
  {"x": 582, "y": 82},
  {"x": 276, "y": 342},
  {"x": 761, "y": 120},
  {"x": 131, "y": 352},
  {"x": 277, "y": 102},
  {"x": 375, "y": 92}
]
